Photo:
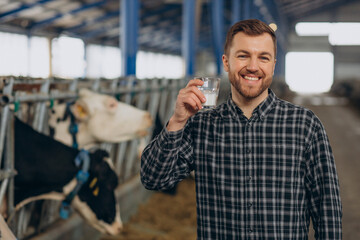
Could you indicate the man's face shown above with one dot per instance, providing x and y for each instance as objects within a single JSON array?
[{"x": 250, "y": 64}]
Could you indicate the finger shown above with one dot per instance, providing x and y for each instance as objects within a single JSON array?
[
  {"x": 195, "y": 82},
  {"x": 195, "y": 90},
  {"x": 196, "y": 101},
  {"x": 192, "y": 100},
  {"x": 190, "y": 103}
]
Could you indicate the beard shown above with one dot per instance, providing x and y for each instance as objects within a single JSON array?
[{"x": 249, "y": 92}]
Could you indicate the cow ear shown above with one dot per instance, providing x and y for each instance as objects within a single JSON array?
[
  {"x": 107, "y": 176},
  {"x": 99, "y": 155},
  {"x": 80, "y": 111},
  {"x": 111, "y": 104}
]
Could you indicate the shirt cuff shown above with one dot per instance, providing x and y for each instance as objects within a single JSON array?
[{"x": 169, "y": 140}]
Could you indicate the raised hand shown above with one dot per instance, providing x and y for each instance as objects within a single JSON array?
[{"x": 189, "y": 101}]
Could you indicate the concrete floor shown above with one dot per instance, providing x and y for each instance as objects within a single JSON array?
[{"x": 342, "y": 124}]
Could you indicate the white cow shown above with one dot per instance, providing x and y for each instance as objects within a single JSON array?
[{"x": 100, "y": 118}]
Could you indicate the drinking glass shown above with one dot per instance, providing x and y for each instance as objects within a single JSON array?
[{"x": 210, "y": 89}]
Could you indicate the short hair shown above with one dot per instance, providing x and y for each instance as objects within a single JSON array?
[{"x": 251, "y": 27}]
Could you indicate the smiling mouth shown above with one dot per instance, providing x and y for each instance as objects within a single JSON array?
[{"x": 251, "y": 78}]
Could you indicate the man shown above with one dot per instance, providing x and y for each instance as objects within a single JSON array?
[{"x": 263, "y": 166}]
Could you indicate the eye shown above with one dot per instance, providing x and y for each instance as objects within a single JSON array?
[
  {"x": 241, "y": 56},
  {"x": 264, "y": 58}
]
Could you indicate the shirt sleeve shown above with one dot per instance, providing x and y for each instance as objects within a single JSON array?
[
  {"x": 167, "y": 159},
  {"x": 323, "y": 188}
]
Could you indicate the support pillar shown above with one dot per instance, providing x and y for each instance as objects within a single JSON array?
[
  {"x": 129, "y": 10},
  {"x": 247, "y": 9},
  {"x": 188, "y": 36},
  {"x": 236, "y": 13},
  {"x": 217, "y": 9}
]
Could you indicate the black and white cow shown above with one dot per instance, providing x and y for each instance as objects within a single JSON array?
[{"x": 46, "y": 170}]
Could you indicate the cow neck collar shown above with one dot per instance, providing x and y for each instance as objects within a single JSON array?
[
  {"x": 82, "y": 176},
  {"x": 73, "y": 127}
]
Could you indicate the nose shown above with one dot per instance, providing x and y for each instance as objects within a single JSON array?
[{"x": 253, "y": 65}]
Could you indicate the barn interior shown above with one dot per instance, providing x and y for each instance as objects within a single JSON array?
[{"x": 142, "y": 52}]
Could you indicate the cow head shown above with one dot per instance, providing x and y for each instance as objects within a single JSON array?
[
  {"x": 96, "y": 200},
  {"x": 101, "y": 118}
]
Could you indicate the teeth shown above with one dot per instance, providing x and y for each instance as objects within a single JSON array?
[{"x": 251, "y": 78}]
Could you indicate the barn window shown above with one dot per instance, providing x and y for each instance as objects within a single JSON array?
[{"x": 309, "y": 72}]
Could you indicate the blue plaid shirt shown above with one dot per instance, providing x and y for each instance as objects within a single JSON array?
[{"x": 258, "y": 178}]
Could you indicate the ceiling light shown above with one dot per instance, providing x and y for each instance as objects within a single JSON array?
[
  {"x": 273, "y": 26},
  {"x": 313, "y": 28},
  {"x": 341, "y": 33},
  {"x": 345, "y": 34}
]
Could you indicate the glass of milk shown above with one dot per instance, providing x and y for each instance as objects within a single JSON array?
[{"x": 210, "y": 89}]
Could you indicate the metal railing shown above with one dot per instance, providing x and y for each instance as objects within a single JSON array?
[{"x": 157, "y": 96}]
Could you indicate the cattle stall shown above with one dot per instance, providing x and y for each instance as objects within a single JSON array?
[{"x": 31, "y": 100}]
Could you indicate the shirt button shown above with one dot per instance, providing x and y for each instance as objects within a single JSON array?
[
  {"x": 249, "y": 204},
  {"x": 248, "y": 150},
  {"x": 249, "y": 178},
  {"x": 250, "y": 230}
]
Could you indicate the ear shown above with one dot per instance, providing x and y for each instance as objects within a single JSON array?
[
  {"x": 98, "y": 156},
  {"x": 111, "y": 104},
  {"x": 225, "y": 62},
  {"x": 105, "y": 175},
  {"x": 80, "y": 111}
]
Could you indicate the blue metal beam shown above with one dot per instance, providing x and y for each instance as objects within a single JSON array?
[
  {"x": 60, "y": 15},
  {"x": 235, "y": 11},
  {"x": 188, "y": 34},
  {"x": 129, "y": 35},
  {"x": 247, "y": 9},
  {"x": 257, "y": 13},
  {"x": 272, "y": 9},
  {"x": 22, "y": 7},
  {"x": 217, "y": 9},
  {"x": 280, "y": 21}
]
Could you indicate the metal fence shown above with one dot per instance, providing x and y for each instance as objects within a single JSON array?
[{"x": 34, "y": 97}]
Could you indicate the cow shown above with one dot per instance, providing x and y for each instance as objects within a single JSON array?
[
  {"x": 47, "y": 169},
  {"x": 5, "y": 231},
  {"x": 97, "y": 118}
]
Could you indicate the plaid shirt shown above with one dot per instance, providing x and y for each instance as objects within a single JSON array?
[{"x": 258, "y": 178}]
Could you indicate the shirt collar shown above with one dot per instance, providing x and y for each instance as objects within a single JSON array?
[{"x": 261, "y": 110}]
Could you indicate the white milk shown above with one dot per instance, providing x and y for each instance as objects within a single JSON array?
[{"x": 211, "y": 98}]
